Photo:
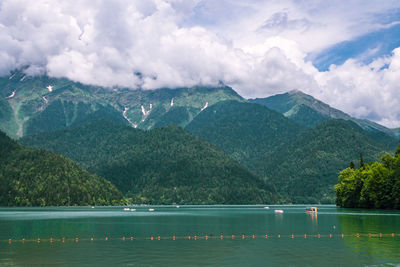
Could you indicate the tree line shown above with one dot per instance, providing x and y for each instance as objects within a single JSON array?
[{"x": 371, "y": 185}]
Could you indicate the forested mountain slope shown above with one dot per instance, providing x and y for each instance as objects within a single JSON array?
[
  {"x": 31, "y": 177},
  {"x": 32, "y": 104},
  {"x": 162, "y": 166}
]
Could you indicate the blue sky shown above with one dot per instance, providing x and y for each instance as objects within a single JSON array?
[{"x": 365, "y": 48}]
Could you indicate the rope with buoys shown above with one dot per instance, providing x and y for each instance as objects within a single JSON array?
[{"x": 207, "y": 237}]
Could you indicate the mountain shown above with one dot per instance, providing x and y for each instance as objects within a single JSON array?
[
  {"x": 32, "y": 104},
  {"x": 396, "y": 132},
  {"x": 309, "y": 112},
  {"x": 306, "y": 169},
  {"x": 245, "y": 131},
  {"x": 7, "y": 119},
  {"x": 161, "y": 166},
  {"x": 31, "y": 177},
  {"x": 302, "y": 164}
]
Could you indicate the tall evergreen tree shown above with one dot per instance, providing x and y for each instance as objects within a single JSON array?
[
  {"x": 361, "y": 161},
  {"x": 352, "y": 166}
]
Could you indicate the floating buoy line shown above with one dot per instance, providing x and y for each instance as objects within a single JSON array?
[{"x": 205, "y": 237}]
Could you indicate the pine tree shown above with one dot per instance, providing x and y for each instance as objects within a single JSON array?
[
  {"x": 361, "y": 161},
  {"x": 352, "y": 166}
]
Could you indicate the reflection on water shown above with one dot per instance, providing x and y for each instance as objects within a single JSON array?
[
  {"x": 375, "y": 223},
  {"x": 213, "y": 221}
]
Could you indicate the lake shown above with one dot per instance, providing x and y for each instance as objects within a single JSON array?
[{"x": 199, "y": 235}]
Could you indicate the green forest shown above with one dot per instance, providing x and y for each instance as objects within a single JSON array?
[
  {"x": 31, "y": 177},
  {"x": 302, "y": 164},
  {"x": 372, "y": 185},
  {"x": 161, "y": 166}
]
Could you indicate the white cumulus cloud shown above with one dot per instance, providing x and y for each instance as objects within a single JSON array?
[{"x": 259, "y": 48}]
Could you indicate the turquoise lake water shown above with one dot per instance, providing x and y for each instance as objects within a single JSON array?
[{"x": 165, "y": 222}]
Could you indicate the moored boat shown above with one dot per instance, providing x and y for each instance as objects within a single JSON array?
[{"x": 311, "y": 209}]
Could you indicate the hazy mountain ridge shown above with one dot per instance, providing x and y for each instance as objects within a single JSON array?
[{"x": 293, "y": 102}]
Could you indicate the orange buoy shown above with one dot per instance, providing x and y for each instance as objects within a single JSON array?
[
  {"x": 38, "y": 240},
  {"x": 23, "y": 240},
  {"x": 242, "y": 236},
  {"x": 51, "y": 240},
  {"x": 392, "y": 234},
  {"x": 305, "y": 235},
  {"x": 107, "y": 238},
  {"x": 222, "y": 237},
  {"x": 195, "y": 237},
  {"x": 9, "y": 241},
  {"x": 123, "y": 238},
  {"x": 266, "y": 236},
  {"x": 279, "y": 236},
  {"x": 206, "y": 237},
  {"x": 158, "y": 238},
  {"x": 319, "y": 236},
  {"x": 173, "y": 238},
  {"x": 63, "y": 239},
  {"x": 91, "y": 239},
  {"x": 233, "y": 237},
  {"x": 189, "y": 237},
  {"x": 131, "y": 238},
  {"x": 330, "y": 235},
  {"x": 254, "y": 236},
  {"x": 292, "y": 235},
  {"x": 151, "y": 238}
]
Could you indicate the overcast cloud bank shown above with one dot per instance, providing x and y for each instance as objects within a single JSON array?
[{"x": 258, "y": 48}]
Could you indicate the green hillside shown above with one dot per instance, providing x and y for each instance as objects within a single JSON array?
[
  {"x": 37, "y": 104},
  {"x": 396, "y": 132},
  {"x": 245, "y": 131},
  {"x": 306, "y": 169},
  {"x": 38, "y": 178},
  {"x": 302, "y": 164},
  {"x": 162, "y": 166},
  {"x": 7, "y": 119}
]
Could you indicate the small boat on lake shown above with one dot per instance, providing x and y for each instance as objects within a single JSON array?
[
  {"x": 151, "y": 209},
  {"x": 267, "y": 208},
  {"x": 311, "y": 209},
  {"x": 278, "y": 211}
]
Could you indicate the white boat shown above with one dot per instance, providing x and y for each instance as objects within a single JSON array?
[
  {"x": 177, "y": 207},
  {"x": 151, "y": 209},
  {"x": 132, "y": 209},
  {"x": 126, "y": 209},
  {"x": 267, "y": 208},
  {"x": 278, "y": 211}
]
